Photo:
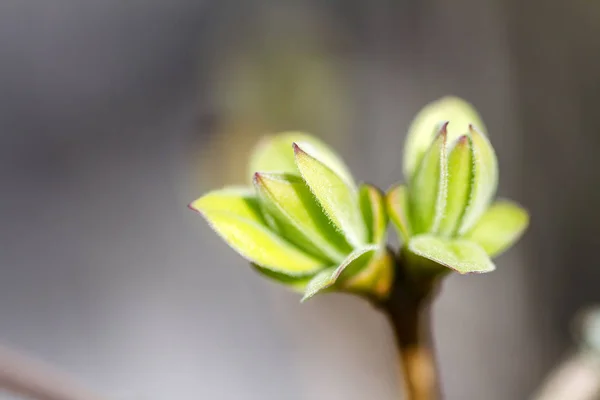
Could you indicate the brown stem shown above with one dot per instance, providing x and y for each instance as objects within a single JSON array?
[
  {"x": 26, "y": 377},
  {"x": 408, "y": 309}
]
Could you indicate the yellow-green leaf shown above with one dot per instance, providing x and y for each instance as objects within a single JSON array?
[
  {"x": 463, "y": 256},
  {"x": 236, "y": 217},
  {"x": 460, "y": 176},
  {"x": 274, "y": 153},
  {"x": 298, "y": 216},
  {"x": 398, "y": 211},
  {"x": 373, "y": 209},
  {"x": 338, "y": 198},
  {"x": 499, "y": 227},
  {"x": 426, "y": 124},
  {"x": 428, "y": 189},
  {"x": 376, "y": 278},
  {"x": 485, "y": 180},
  {"x": 328, "y": 277}
]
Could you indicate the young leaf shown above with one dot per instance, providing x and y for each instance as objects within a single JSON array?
[
  {"x": 338, "y": 199},
  {"x": 275, "y": 154},
  {"x": 373, "y": 209},
  {"x": 298, "y": 216},
  {"x": 375, "y": 278},
  {"x": 326, "y": 278},
  {"x": 428, "y": 189},
  {"x": 460, "y": 176},
  {"x": 397, "y": 209},
  {"x": 426, "y": 124},
  {"x": 236, "y": 218},
  {"x": 485, "y": 180},
  {"x": 463, "y": 256},
  {"x": 501, "y": 226}
]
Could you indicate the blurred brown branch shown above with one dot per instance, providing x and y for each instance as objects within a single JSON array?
[{"x": 32, "y": 379}]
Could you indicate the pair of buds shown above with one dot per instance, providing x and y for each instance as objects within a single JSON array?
[{"x": 305, "y": 223}]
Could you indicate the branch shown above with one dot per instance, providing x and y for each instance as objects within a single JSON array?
[
  {"x": 408, "y": 309},
  {"x": 26, "y": 377}
]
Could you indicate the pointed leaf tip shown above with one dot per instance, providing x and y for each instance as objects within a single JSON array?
[
  {"x": 298, "y": 217},
  {"x": 428, "y": 189},
  {"x": 274, "y": 153},
  {"x": 426, "y": 123},
  {"x": 484, "y": 179},
  {"x": 459, "y": 180},
  {"x": 236, "y": 217},
  {"x": 338, "y": 198}
]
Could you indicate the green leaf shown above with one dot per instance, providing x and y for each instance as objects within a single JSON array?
[
  {"x": 460, "y": 177},
  {"x": 376, "y": 278},
  {"x": 397, "y": 209},
  {"x": 463, "y": 256},
  {"x": 485, "y": 180},
  {"x": 274, "y": 154},
  {"x": 295, "y": 283},
  {"x": 501, "y": 226},
  {"x": 426, "y": 124},
  {"x": 298, "y": 216},
  {"x": 236, "y": 217},
  {"x": 338, "y": 199},
  {"x": 428, "y": 189},
  {"x": 373, "y": 209},
  {"x": 328, "y": 277}
]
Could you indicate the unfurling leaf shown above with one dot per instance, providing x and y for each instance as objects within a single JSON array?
[
  {"x": 275, "y": 154},
  {"x": 328, "y": 277},
  {"x": 459, "y": 178},
  {"x": 428, "y": 189},
  {"x": 485, "y": 180},
  {"x": 236, "y": 218},
  {"x": 427, "y": 123},
  {"x": 463, "y": 256},
  {"x": 372, "y": 206},
  {"x": 298, "y": 216},
  {"x": 338, "y": 199},
  {"x": 501, "y": 225},
  {"x": 398, "y": 212},
  {"x": 375, "y": 278}
]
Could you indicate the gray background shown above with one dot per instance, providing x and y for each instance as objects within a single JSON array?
[{"x": 115, "y": 114}]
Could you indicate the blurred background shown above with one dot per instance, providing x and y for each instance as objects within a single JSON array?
[{"x": 115, "y": 114}]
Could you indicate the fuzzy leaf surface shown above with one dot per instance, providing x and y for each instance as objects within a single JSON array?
[
  {"x": 426, "y": 124},
  {"x": 338, "y": 199},
  {"x": 298, "y": 216},
  {"x": 372, "y": 205},
  {"x": 275, "y": 154},
  {"x": 328, "y": 277},
  {"x": 485, "y": 180},
  {"x": 428, "y": 189},
  {"x": 463, "y": 256},
  {"x": 235, "y": 216}
]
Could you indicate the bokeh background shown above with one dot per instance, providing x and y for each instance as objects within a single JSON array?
[{"x": 115, "y": 114}]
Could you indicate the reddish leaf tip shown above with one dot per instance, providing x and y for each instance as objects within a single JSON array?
[
  {"x": 194, "y": 209},
  {"x": 463, "y": 140},
  {"x": 257, "y": 177},
  {"x": 297, "y": 148},
  {"x": 444, "y": 129},
  {"x": 473, "y": 128}
]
